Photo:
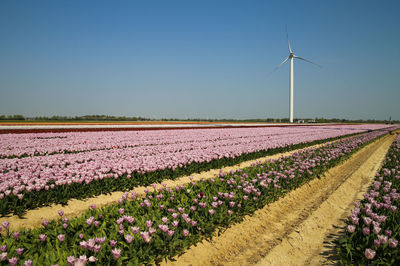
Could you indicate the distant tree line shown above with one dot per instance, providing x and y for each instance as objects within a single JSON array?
[
  {"x": 134, "y": 118},
  {"x": 76, "y": 118},
  {"x": 12, "y": 117}
]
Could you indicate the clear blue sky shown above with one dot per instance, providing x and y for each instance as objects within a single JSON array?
[{"x": 208, "y": 59}]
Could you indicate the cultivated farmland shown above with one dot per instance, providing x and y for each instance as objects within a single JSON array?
[{"x": 39, "y": 169}]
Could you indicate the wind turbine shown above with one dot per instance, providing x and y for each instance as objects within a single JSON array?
[{"x": 291, "y": 79}]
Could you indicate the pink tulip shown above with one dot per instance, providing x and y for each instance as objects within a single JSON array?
[
  {"x": 116, "y": 252},
  {"x": 366, "y": 231},
  {"x": 3, "y": 256},
  {"x": 19, "y": 251},
  {"x": 393, "y": 242},
  {"x": 128, "y": 239},
  {"x": 5, "y": 224},
  {"x": 13, "y": 261},
  {"x": 42, "y": 237},
  {"x": 370, "y": 253},
  {"x": 61, "y": 238},
  {"x": 351, "y": 228},
  {"x": 28, "y": 263}
]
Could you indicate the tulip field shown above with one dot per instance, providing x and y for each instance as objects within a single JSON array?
[
  {"x": 373, "y": 227},
  {"x": 41, "y": 169}
]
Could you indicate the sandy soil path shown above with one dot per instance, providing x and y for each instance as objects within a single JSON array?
[
  {"x": 292, "y": 230},
  {"x": 34, "y": 218}
]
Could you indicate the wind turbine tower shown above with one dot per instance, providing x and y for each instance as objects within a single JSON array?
[{"x": 291, "y": 57}]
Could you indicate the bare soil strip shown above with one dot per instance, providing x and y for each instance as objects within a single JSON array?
[
  {"x": 291, "y": 230},
  {"x": 34, "y": 218}
]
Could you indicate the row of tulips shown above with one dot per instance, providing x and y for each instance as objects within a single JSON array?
[
  {"x": 373, "y": 227},
  {"x": 168, "y": 221},
  {"x": 31, "y": 182}
]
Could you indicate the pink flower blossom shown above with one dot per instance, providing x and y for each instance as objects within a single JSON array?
[
  {"x": 393, "y": 242},
  {"x": 383, "y": 239},
  {"x": 92, "y": 259},
  {"x": 42, "y": 237},
  {"x": 71, "y": 260},
  {"x": 13, "y": 261},
  {"x": 175, "y": 223},
  {"x": 83, "y": 244},
  {"x": 100, "y": 240},
  {"x": 28, "y": 263},
  {"x": 152, "y": 230},
  {"x": 116, "y": 252},
  {"x": 366, "y": 231},
  {"x": 149, "y": 223},
  {"x": 3, "y": 256},
  {"x": 376, "y": 230},
  {"x": 5, "y": 224},
  {"x": 351, "y": 228},
  {"x": 370, "y": 253},
  {"x": 134, "y": 229},
  {"x": 128, "y": 239},
  {"x": 61, "y": 238},
  {"x": 146, "y": 236},
  {"x": 19, "y": 251},
  {"x": 90, "y": 220},
  {"x": 163, "y": 227},
  {"x": 96, "y": 248}
]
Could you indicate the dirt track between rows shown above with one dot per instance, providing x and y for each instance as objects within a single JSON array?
[{"x": 292, "y": 230}]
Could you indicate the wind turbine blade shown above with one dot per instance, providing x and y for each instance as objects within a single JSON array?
[
  {"x": 301, "y": 58},
  {"x": 284, "y": 61},
  {"x": 287, "y": 37}
]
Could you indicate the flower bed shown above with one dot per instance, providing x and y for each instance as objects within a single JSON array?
[
  {"x": 168, "y": 221},
  {"x": 373, "y": 228},
  {"x": 36, "y": 144},
  {"x": 43, "y": 179}
]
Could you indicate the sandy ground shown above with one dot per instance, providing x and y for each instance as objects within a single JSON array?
[
  {"x": 34, "y": 218},
  {"x": 292, "y": 230}
]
